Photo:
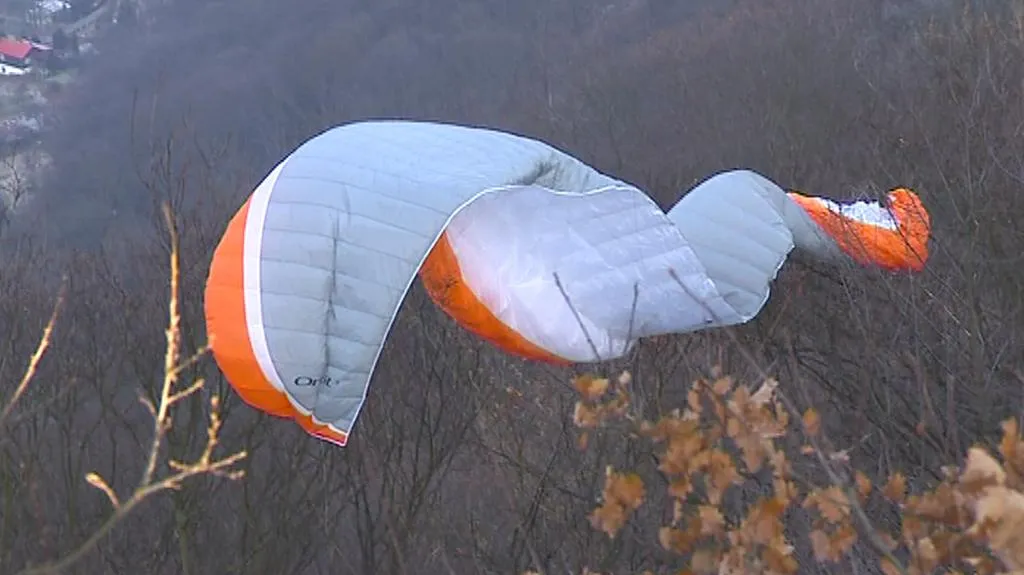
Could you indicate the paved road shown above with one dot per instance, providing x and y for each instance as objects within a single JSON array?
[{"x": 90, "y": 19}]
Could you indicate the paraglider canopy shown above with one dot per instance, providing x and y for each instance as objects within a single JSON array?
[{"x": 521, "y": 243}]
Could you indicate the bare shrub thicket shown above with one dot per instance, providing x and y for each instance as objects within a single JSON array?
[{"x": 465, "y": 460}]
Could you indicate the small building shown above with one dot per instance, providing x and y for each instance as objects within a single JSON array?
[{"x": 18, "y": 53}]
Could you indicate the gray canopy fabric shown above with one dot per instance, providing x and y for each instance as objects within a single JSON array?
[{"x": 742, "y": 227}]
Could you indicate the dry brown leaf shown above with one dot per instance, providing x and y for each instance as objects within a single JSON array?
[
  {"x": 693, "y": 401},
  {"x": 812, "y": 422},
  {"x": 753, "y": 456},
  {"x": 942, "y": 504},
  {"x": 896, "y": 488},
  {"x": 752, "y": 450},
  {"x": 720, "y": 413},
  {"x": 1000, "y": 518},
  {"x": 952, "y": 544},
  {"x": 623, "y": 494},
  {"x": 625, "y": 488},
  {"x": 583, "y": 440},
  {"x": 722, "y": 386},
  {"x": 889, "y": 568},
  {"x": 842, "y": 540},
  {"x": 785, "y": 491},
  {"x": 779, "y": 559},
  {"x": 926, "y": 556},
  {"x": 683, "y": 453},
  {"x": 912, "y": 527},
  {"x": 981, "y": 470},
  {"x": 820, "y": 544},
  {"x": 863, "y": 483},
  {"x": 739, "y": 401},
  {"x": 780, "y": 464},
  {"x": 1009, "y": 446},
  {"x": 763, "y": 523},
  {"x": 680, "y": 487},
  {"x": 722, "y": 473},
  {"x": 705, "y": 561},
  {"x": 831, "y": 503},
  {"x": 678, "y": 512},
  {"x": 765, "y": 393},
  {"x": 590, "y": 387},
  {"x": 585, "y": 416},
  {"x": 887, "y": 540},
  {"x": 711, "y": 520},
  {"x": 609, "y": 518},
  {"x": 981, "y": 565},
  {"x": 673, "y": 539},
  {"x": 734, "y": 427}
]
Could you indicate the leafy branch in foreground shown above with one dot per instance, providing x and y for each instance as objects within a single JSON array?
[
  {"x": 972, "y": 521},
  {"x": 152, "y": 481}
]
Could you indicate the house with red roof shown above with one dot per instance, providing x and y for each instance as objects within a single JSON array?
[{"x": 18, "y": 53}]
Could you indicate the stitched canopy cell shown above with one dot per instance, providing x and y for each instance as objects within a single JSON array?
[{"x": 519, "y": 242}]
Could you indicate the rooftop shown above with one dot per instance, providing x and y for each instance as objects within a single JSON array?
[{"x": 15, "y": 48}]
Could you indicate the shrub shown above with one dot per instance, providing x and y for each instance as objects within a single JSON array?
[{"x": 728, "y": 435}]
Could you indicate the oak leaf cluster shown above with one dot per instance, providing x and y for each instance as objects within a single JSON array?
[{"x": 970, "y": 522}]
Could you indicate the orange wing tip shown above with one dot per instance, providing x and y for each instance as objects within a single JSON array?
[
  {"x": 277, "y": 404},
  {"x": 320, "y": 431},
  {"x": 894, "y": 237}
]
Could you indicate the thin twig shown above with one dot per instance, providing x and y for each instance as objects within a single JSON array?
[
  {"x": 37, "y": 357},
  {"x": 576, "y": 314}
]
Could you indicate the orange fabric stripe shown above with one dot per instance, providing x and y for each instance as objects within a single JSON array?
[
  {"x": 442, "y": 278},
  {"x": 228, "y": 331},
  {"x": 901, "y": 249}
]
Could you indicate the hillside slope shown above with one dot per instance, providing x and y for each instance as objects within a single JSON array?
[{"x": 466, "y": 460}]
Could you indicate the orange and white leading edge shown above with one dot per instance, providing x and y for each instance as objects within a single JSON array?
[
  {"x": 520, "y": 243},
  {"x": 893, "y": 237},
  {"x": 226, "y": 323}
]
